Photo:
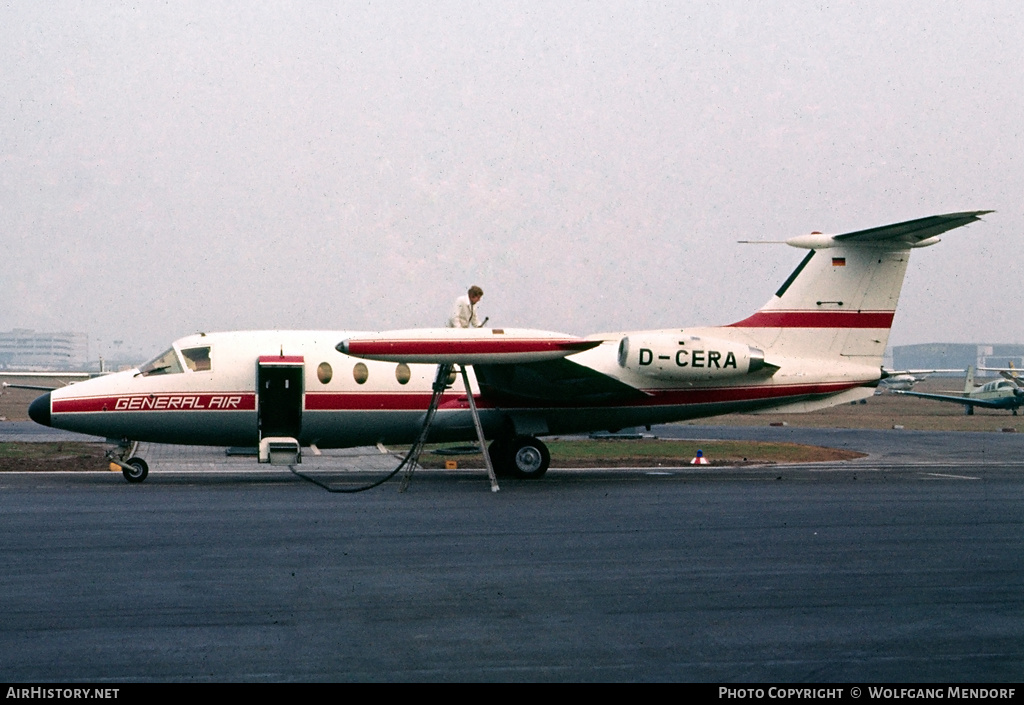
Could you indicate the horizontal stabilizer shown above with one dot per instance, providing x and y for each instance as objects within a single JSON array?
[
  {"x": 913, "y": 231},
  {"x": 920, "y": 232},
  {"x": 464, "y": 346}
]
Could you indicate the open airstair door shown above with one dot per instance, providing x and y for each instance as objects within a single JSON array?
[{"x": 279, "y": 381}]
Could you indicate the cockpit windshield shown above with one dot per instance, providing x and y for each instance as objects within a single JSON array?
[{"x": 164, "y": 364}]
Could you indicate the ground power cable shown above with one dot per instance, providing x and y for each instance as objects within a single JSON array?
[{"x": 411, "y": 458}]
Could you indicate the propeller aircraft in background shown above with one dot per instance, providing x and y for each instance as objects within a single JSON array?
[
  {"x": 1006, "y": 393},
  {"x": 906, "y": 379}
]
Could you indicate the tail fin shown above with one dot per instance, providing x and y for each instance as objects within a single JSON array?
[
  {"x": 969, "y": 380},
  {"x": 841, "y": 299}
]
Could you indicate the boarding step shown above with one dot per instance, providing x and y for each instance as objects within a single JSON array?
[{"x": 279, "y": 450}]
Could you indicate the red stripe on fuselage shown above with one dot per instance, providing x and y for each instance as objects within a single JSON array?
[
  {"x": 412, "y": 401},
  {"x": 217, "y": 401},
  {"x": 418, "y": 401},
  {"x": 672, "y": 397},
  {"x": 817, "y": 319},
  {"x": 376, "y": 401}
]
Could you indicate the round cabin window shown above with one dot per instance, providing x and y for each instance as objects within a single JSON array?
[
  {"x": 402, "y": 373},
  {"x": 360, "y": 373},
  {"x": 324, "y": 373}
]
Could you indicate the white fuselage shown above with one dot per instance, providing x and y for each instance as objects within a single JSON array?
[
  {"x": 336, "y": 400},
  {"x": 817, "y": 342}
]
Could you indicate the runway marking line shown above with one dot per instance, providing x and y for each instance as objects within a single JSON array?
[{"x": 953, "y": 477}]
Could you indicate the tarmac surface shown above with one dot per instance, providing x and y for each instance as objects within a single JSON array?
[{"x": 903, "y": 566}]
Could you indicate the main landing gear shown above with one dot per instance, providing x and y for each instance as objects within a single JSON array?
[
  {"x": 134, "y": 469},
  {"x": 524, "y": 457}
]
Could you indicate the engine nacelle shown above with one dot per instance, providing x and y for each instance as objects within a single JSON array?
[{"x": 686, "y": 358}]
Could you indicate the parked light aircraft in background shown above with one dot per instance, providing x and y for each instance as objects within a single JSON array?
[
  {"x": 1009, "y": 372},
  {"x": 1004, "y": 393},
  {"x": 818, "y": 342},
  {"x": 906, "y": 379}
]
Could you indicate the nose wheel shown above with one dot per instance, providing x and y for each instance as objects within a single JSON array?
[
  {"x": 137, "y": 472},
  {"x": 134, "y": 469}
]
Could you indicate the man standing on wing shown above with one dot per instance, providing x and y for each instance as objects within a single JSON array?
[{"x": 464, "y": 311}]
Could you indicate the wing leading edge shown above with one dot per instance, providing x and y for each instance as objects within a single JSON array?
[
  {"x": 512, "y": 366},
  {"x": 463, "y": 346}
]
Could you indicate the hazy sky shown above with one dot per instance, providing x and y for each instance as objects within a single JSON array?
[{"x": 173, "y": 167}]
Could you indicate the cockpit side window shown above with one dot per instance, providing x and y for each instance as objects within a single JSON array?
[
  {"x": 197, "y": 359},
  {"x": 164, "y": 364}
]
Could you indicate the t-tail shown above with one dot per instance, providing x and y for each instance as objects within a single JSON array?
[{"x": 840, "y": 301}]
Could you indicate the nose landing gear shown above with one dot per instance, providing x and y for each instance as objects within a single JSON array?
[
  {"x": 139, "y": 470},
  {"x": 134, "y": 469}
]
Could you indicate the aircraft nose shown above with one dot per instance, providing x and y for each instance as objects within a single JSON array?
[{"x": 39, "y": 410}]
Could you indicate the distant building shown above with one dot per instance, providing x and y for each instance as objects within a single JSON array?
[
  {"x": 26, "y": 350},
  {"x": 955, "y": 355}
]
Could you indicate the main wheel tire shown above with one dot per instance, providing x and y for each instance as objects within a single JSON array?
[
  {"x": 140, "y": 472},
  {"x": 529, "y": 458}
]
